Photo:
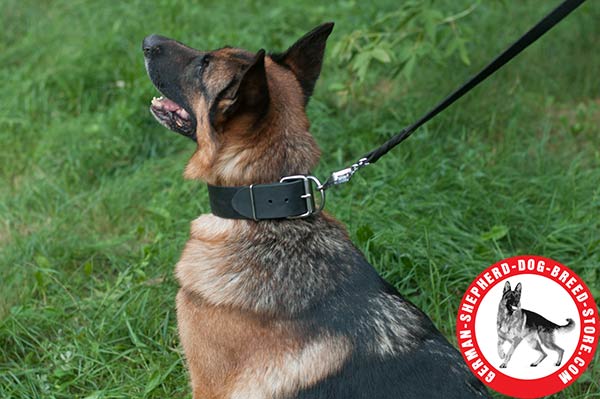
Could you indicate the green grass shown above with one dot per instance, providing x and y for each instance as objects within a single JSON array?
[{"x": 94, "y": 211}]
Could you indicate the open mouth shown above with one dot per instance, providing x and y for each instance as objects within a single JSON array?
[{"x": 173, "y": 116}]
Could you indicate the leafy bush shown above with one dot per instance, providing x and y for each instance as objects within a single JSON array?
[{"x": 416, "y": 31}]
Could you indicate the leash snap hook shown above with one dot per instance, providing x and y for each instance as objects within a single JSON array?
[{"x": 344, "y": 175}]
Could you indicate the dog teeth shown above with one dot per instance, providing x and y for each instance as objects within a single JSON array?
[
  {"x": 183, "y": 113},
  {"x": 157, "y": 102}
]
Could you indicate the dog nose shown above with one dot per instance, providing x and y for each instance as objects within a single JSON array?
[{"x": 151, "y": 45}]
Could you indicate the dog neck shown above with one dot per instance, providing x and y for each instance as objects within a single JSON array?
[{"x": 268, "y": 267}]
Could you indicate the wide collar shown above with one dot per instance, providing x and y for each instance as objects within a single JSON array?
[{"x": 290, "y": 198}]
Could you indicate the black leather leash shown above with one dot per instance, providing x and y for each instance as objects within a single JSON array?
[{"x": 293, "y": 197}]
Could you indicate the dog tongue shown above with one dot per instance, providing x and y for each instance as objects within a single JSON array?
[
  {"x": 169, "y": 105},
  {"x": 165, "y": 104}
]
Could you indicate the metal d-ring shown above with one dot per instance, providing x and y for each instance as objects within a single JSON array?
[{"x": 308, "y": 194}]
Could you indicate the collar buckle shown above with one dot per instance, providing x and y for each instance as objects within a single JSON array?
[{"x": 308, "y": 196}]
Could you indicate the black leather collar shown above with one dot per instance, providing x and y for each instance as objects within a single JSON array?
[{"x": 291, "y": 198}]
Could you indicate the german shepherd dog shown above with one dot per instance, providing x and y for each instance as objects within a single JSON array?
[
  {"x": 282, "y": 308},
  {"x": 516, "y": 324}
]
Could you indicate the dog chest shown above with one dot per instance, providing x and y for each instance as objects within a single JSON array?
[{"x": 235, "y": 354}]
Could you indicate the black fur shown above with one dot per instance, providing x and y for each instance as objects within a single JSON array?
[
  {"x": 423, "y": 373},
  {"x": 539, "y": 322},
  {"x": 429, "y": 368}
]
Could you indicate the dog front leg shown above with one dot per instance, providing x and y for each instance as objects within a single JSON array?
[
  {"x": 189, "y": 323},
  {"x": 513, "y": 346}
]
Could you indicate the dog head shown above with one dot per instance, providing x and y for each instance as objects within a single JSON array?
[
  {"x": 245, "y": 110},
  {"x": 511, "y": 299}
]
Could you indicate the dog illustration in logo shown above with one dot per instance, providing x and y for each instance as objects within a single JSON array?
[{"x": 516, "y": 324}]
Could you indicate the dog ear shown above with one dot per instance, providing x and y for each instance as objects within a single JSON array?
[
  {"x": 253, "y": 90},
  {"x": 305, "y": 57},
  {"x": 518, "y": 289},
  {"x": 506, "y": 287},
  {"x": 249, "y": 93}
]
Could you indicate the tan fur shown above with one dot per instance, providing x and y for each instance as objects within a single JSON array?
[
  {"x": 290, "y": 369},
  {"x": 214, "y": 263},
  {"x": 205, "y": 267},
  {"x": 202, "y": 159},
  {"x": 240, "y": 355}
]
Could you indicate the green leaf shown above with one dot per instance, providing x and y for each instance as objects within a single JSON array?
[
  {"x": 158, "y": 378},
  {"x": 337, "y": 86},
  {"x": 431, "y": 19},
  {"x": 404, "y": 54},
  {"x": 88, "y": 268},
  {"x": 361, "y": 64},
  {"x": 495, "y": 233},
  {"x": 162, "y": 212},
  {"x": 39, "y": 278},
  {"x": 42, "y": 261},
  {"x": 462, "y": 51},
  {"x": 451, "y": 48},
  {"x": 409, "y": 67},
  {"x": 381, "y": 55},
  {"x": 133, "y": 336}
]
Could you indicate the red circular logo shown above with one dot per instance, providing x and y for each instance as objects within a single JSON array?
[{"x": 528, "y": 326}]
